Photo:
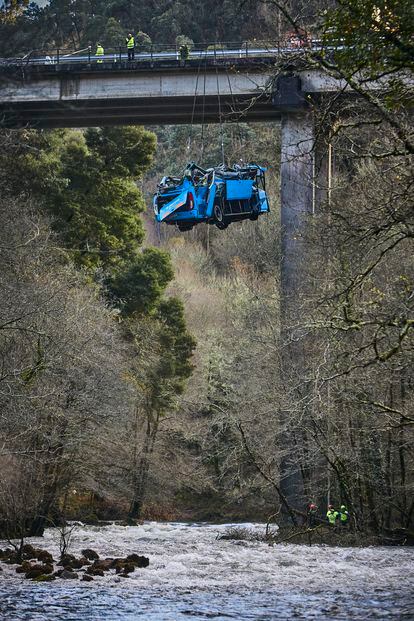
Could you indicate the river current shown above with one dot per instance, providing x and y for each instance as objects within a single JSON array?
[{"x": 195, "y": 576}]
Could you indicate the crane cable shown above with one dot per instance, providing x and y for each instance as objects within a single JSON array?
[
  {"x": 220, "y": 117},
  {"x": 203, "y": 109},
  {"x": 189, "y": 143},
  {"x": 233, "y": 103}
]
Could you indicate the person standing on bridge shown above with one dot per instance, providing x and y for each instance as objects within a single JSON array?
[
  {"x": 130, "y": 43},
  {"x": 99, "y": 52},
  {"x": 184, "y": 52}
]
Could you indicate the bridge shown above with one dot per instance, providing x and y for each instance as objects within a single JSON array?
[{"x": 81, "y": 92}]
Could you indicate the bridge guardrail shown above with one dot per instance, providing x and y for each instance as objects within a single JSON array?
[{"x": 152, "y": 52}]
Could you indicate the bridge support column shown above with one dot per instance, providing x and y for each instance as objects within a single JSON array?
[{"x": 304, "y": 185}]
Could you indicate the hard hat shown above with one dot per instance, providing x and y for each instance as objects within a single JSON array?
[
  {"x": 343, "y": 507},
  {"x": 312, "y": 506},
  {"x": 330, "y": 506}
]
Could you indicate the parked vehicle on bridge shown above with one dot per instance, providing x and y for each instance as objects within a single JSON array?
[{"x": 218, "y": 195}]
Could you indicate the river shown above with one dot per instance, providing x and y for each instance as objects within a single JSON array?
[{"x": 194, "y": 576}]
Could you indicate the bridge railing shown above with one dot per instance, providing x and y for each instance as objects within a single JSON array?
[{"x": 151, "y": 52}]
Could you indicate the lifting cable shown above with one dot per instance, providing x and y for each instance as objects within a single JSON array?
[
  {"x": 189, "y": 143},
  {"x": 203, "y": 110},
  {"x": 233, "y": 103},
  {"x": 220, "y": 116}
]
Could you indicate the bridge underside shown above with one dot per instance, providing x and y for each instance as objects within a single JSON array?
[{"x": 139, "y": 111}]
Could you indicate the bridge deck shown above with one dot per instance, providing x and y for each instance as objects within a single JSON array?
[{"x": 147, "y": 92}]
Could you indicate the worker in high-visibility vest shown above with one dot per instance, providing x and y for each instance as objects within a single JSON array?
[
  {"x": 332, "y": 515},
  {"x": 130, "y": 43},
  {"x": 184, "y": 51},
  {"x": 344, "y": 516},
  {"x": 99, "y": 52}
]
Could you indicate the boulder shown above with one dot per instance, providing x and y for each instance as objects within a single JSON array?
[
  {"x": 94, "y": 571},
  {"x": 28, "y": 551},
  {"x": 35, "y": 572},
  {"x": 44, "y": 556},
  {"x": 137, "y": 560},
  {"x": 66, "y": 574},
  {"x": 67, "y": 560},
  {"x": 104, "y": 564},
  {"x": 129, "y": 568},
  {"x": 24, "y": 567},
  {"x": 79, "y": 562},
  {"x": 6, "y": 553},
  {"x": 119, "y": 565},
  {"x": 84, "y": 561},
  {"x": 87, "y": 578},
  {"x": 91, "y": 555},
  {"x": 45, "y": 578},
  {"x": 116, "y": 562}
]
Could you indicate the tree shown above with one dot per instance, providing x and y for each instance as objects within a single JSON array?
[
  {"x": 114, "y": 35},
  {"x": 140, "y": 285},
  {"x": 86, "y": 181},
  {"x": 11, "y": 9},
  {"x": 164, "y": 349}
]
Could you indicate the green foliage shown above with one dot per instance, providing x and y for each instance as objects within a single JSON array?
[
  {"x": 183, "y": 40},
  {"x": 11, "y": 9},
  {"x": 143, "y": 41},
  {"x": 87, "y": 182},
  {"x": 123, "y": 151},
  {"x": 140, "y": 285},
  {"x": 177, "y": 343},
  {"x": 114, "y": 35},
  {"x": 373, "y": 35}
]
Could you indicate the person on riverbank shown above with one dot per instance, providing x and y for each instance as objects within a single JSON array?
[
  {"x": 332, "y": 515},
  {"x": 344, "y": 516},
  {"x": 311, "y": 511}
]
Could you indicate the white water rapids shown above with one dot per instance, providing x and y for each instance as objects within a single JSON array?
[{"x": 192, "y": 575}]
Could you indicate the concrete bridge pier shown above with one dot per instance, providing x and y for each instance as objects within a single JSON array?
[{"x": 305, "y": 178}]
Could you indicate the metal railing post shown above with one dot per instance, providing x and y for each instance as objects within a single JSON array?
[
  {"x": 215, "y": 58},
  {"x": 152, "y": 52},
  {"x": 120, "y": 53},
  {"x": 247, "y": 48},
  {"x": 57, "y": 56},
  {"x": 89, "y": 54}
]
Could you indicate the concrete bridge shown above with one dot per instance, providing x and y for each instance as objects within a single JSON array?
[{"x": 76, "y": 94}]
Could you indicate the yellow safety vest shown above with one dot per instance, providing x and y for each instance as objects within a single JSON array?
[
  {"x": 130, "y": 43},
  {"x": 99, "y": 52},
  {"x": 332, "y": 515}
]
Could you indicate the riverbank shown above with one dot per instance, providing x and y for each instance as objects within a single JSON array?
[{"x": 320, "y": 535}]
